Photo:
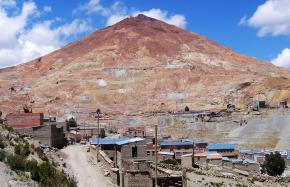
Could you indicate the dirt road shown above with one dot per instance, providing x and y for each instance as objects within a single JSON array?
[{"x": 84, "y": 167}]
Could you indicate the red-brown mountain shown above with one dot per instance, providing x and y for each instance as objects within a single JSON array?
[{"x": 141, "y": 64}]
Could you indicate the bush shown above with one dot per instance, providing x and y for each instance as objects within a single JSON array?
[
  {"x": 32, "y": 167},
  {"x": 274, "y": 164},
  {"x": 2, "y": 144},
  {"x": 19, "y": 149},
  {"x": 41, "y": 154},
  {"x": 186, "y": 109},
  {"x": 2, "y": 155},
  {"x": 16, "y": 162},
  {"x": 169, "y": 161}
]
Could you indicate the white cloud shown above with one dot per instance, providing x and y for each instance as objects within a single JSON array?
[
  {"x": 94, "y": 6},
  {"x": 118, "y": 12},
  {"x": 283, "y": 59},
  {"x": 23, "y": 41},
  {"x": 47, "y": 9},
  {"x": 272, "y": 17},
  {"x": 7, "y": 3}
]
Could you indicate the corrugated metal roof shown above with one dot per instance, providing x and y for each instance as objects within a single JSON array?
[
  {"x": 175, "y": 143},
  {"x": 114, "y": 141},
  {"x": 106, "y": 141},
  {"x": 288, "y": 155},
  {"x": 131, "y": 140},
  {"x": 165, "y": 153},
  {"x": 249, "y": 152},
  {"x": 221, "y": 146}
]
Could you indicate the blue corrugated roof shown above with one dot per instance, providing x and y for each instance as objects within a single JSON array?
[
  {"x": 288, "y": 155},
  {"x": 249, "y": 152},
  {"x": 117, "y": 141},
  {"x": 106, "y": 141},
  {"x": 130, "y": 140},
  {"x": 174, "y": 143},
  {"x": 221, "y": 146}
]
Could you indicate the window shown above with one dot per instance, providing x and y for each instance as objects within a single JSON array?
[
  {"x": 148, "y": 153},
  {"x": 134, "y": 152}
]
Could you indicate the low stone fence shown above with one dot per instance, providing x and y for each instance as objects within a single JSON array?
[{"x": 107, "y": 164}]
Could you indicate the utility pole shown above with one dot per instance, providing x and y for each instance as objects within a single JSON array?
[
  {"x": 98, "y": 116},
  {"x": 193, "y": 161},
  {"x": 156, "y": 156}
]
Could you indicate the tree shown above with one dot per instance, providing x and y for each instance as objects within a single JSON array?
[
  {"x": 71, "y": 122},
  {"x": 273, "y": 165},
  {"x": 186, "y": 109}
]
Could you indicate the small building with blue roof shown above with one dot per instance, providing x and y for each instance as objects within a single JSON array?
[
  {"x": 226, "y": 150},
  {"x": 121, "y": 149}
]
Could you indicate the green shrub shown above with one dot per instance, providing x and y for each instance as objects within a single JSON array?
[
  {"x": 2, "y": 155},
  {"x": 16, "y": 162},
  {"x": 169, "y": 161},
  {"x": 2, "y": 144},
  {"x": 41, "y": 154},
  {"x": 47, "y": 174},
  {"x": 23, "y": 150},
  {"x": 33, "y": 168}
]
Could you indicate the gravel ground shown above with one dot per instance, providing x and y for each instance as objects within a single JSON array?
[{"x": 84, "y": 167}]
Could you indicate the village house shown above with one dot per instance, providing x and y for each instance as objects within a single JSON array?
[
  {"x": 138, "y": 131},
  {"x": 178, "y": 148},
  {"x": 226, "y": 150},
  {"x": 120, "y": 150},
  {"x": 150, "y": 150},
  {"x": 126, "y": 158},
  {"x": 46, "y": 131}
]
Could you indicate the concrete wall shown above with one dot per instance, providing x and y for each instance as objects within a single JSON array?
[
  {"x": 49, "y": 134},
  {"x": 124, "y": 152},
  {"x": 186, "y": 161}
]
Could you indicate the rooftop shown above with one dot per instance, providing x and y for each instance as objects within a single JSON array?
[
  {"x": 221, "y": 146},
  {"x": 114, "y": 141},
  {"x": 176, "y": 143}
]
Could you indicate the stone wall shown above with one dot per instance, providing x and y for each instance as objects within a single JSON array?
[
  {"x": 137, "y": 179},
  {"x": 108, "y": 165}
]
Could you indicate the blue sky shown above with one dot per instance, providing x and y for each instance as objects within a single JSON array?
[{"x": 257, "y": 28}]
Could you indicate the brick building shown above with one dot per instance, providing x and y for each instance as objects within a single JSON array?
[
  {"x": 226, "y": 150},
  {"x": 20, "y": 120}
]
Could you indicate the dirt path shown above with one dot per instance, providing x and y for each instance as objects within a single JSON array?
[{"x": 83, "y": 166}]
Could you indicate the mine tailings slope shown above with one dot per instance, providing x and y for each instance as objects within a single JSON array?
[{"x": 140, "y": 64}]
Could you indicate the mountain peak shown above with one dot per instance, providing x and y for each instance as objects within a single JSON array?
[{"x": 144, "y": 17}]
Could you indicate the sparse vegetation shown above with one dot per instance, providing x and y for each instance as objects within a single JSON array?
[
  {"x": 186, "y": 109},
  {"x": 2, "y": 155},
  {"x": 169, "y": 161},
  {"x": 274, "y": 164},
  {"x": 45, "y": 173},
  {"x": 217, "y": 184},
  {"x": 2, "y": 144},
  {"x": 241, "y": 185},
  {"x": 22, "y": 150}
]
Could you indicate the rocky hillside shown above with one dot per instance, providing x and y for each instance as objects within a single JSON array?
[{"x": 141, "y": 64}]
